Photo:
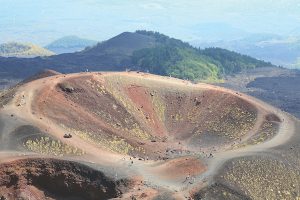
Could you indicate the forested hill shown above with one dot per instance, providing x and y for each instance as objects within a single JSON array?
[
  {"x": 142, "y": 50},
  {"x": 179, "y": 59}
]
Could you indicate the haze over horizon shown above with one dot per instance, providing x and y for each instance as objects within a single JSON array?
[{"x": 100, "y": 20}]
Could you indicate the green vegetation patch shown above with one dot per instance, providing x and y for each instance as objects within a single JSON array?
[
  {"x": 48, "y": 146},
  {"x": 184, "y": 63},
  {"x": 175, "y": 58}
]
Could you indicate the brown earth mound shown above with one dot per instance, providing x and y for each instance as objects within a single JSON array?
[{"x": 56, "y": 179}]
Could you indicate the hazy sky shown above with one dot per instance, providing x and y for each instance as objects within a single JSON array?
[{"x": 41, "y": 21}]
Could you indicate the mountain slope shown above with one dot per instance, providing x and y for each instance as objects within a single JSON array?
[
  {"x": 141, "y": 50},
  {"x": 70, "y": 44},
  {"x": 124, "y": 43},
  {"x": 14, "y": 49}
]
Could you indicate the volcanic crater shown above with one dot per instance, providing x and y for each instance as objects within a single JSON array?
[{"x": 136, "y": 136}]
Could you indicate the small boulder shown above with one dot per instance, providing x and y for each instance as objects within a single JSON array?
[{"x": 67, "y": 135}]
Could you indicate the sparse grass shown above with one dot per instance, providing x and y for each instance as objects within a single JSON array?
[
  {"x": 101, "y": 89},
  {"x": 266, "y": 132},
  {"x": 263, "y": 178},
  {"x": 159, "y": 106},
  {"x": 234, "y": 123},
  {"x": 112, "y": 143},
  {"x": 98, "y": 86},
  {"x": 48, "y": 146}
]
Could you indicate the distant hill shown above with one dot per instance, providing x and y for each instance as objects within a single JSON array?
[
  {"x": 280, "y": 50},
  {"x": 21, "y": 50},
  {"x": 142, "y": 50},
  {"x": 70, "y": 44}
]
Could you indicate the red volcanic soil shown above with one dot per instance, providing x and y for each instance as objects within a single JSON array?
[
  {"x": 171, "y": 134},
  {"x": 141, "y": 98},
  {"x": 180, "y": 169}
]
